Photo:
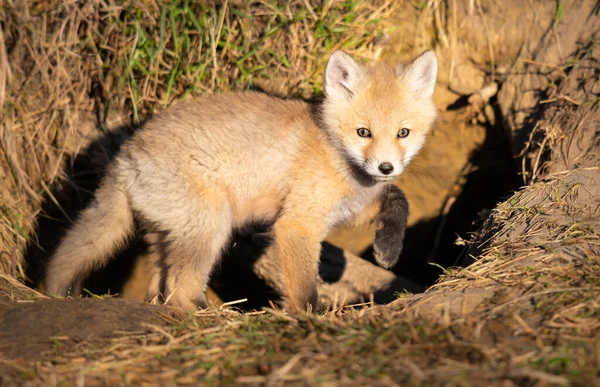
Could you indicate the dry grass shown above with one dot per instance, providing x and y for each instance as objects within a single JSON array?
[
  {"x": 526, "y": 313},
  {"x": 70, "y": 68}
]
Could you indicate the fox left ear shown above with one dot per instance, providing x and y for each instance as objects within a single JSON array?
[
  {"x": 421, "y": 74},
  {"x": 342, "y": 75}
]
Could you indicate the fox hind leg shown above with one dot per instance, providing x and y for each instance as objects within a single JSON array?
[
  {"x": 192, "y": 217},
  {"x": 185, "y": 255},
  {"x": 157, "y": 254},
  {"x": 188, "y": 263}
]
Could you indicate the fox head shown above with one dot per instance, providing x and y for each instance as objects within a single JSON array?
[{"x": 379, "y": 116}]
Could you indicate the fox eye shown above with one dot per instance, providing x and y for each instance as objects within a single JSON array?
[
  {"x": 403, "y": 132},
  {"x": 364, "y": 132}
]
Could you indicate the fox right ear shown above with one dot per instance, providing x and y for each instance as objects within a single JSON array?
[
  {"x": 342, "y": 76},
  {"x": 421, "y": 74}
]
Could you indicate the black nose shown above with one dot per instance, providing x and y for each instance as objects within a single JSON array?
[{"x": 386, "y": 168}]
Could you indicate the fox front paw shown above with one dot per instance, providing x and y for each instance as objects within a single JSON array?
[
  {"x": 390, "y": 228},
  {"x": 388, "y": 246}
]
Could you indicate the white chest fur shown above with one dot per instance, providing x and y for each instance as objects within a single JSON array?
[{"x": 350, "y": 206}]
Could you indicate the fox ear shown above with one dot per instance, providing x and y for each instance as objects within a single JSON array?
[
  {"x": 421, "y": 74},
  {"x": 342, "y": 75}
]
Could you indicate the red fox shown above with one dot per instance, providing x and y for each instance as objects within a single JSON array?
[{"x": 208, "y": 165}]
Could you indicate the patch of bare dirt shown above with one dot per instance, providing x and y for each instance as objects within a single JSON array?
[{"x": 42, "y": 329}]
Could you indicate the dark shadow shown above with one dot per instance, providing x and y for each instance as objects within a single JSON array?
[
  {"x": 332, "y": 267},
  {"x": 333, "y": 263},
  {"x": 460, "y": 103},
  {"x": 234, "y": 278}
]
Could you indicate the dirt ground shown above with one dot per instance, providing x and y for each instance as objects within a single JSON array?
[
  {"x": 66, "y": 327},
  {"x": 517, "y": 180}
]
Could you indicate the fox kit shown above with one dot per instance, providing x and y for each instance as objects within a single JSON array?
[{"x": 204, "y": 167}]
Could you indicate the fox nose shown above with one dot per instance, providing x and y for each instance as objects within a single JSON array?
[{"x": 386, "y": 168}]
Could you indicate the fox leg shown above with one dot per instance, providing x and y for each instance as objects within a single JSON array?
[
  {"x": 186, "y": 257},
  {"x": 389, "y": 213},
  {"x": 390, "y": 226},
  {"x": 296, "y": 248},
  {"x": 154, "y": 291},
  {"x": 190, "y": 225}
]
